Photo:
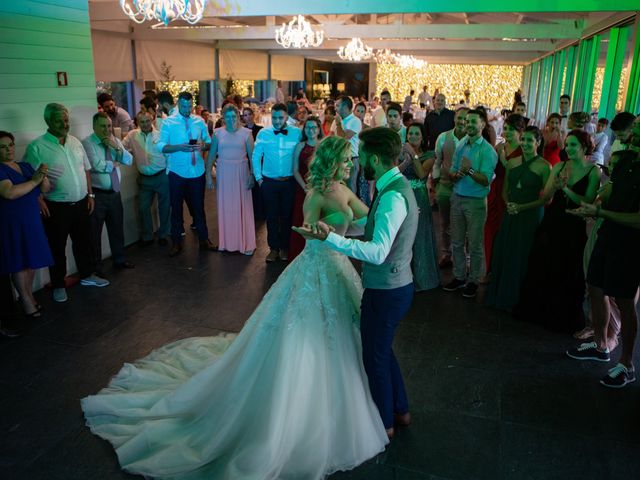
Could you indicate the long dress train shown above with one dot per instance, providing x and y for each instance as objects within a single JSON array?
[{"x": 287, "y": 399}]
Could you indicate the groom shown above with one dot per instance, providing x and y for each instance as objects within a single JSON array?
[{"x": 386, "y": 254}]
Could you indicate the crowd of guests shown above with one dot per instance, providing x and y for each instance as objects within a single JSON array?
[{"x": 511, "y": 200}]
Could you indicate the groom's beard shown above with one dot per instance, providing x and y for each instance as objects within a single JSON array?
[{"x": 369, "y": 172}]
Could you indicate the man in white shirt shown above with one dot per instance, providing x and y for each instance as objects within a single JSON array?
[
  {"x": 424, "y": 99},
  {"x": 386, "y": 253},
  {"x": 69, "y": 202},
  {"x": 622, "y": 128},
  {"x": 564, "y": 110},
  {"x": 273, "y": 168},
  {"x": 394, "y": 121},
  {"x": 182, "y": 138},
  {"x": 408, "y": 101},
  {"x": 119, "y": 116},
  {"x": 379, "y": 113},
  {"x": 279, "y": 93},
  {"x": 106, "y": 154},
  {"x": 600, "y": 142},
  {"x": 152, "y": 180},
  {"x": 349, "y": 126},
  {"x": 446, "y": 145}
]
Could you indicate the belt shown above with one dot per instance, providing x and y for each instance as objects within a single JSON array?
[
  {"x": 278, "y": 179},
  {"x": 66, "y": 203},
  {"x": 102, "y": 190},
  {"x": 153, "y": 174},
  {"x": 461, "y": 196}
]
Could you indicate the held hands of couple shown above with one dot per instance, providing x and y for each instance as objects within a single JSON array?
[{"x": 314, "y": 231}]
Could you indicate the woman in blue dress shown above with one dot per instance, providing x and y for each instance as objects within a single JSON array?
[{"x": 23, "y": 243}]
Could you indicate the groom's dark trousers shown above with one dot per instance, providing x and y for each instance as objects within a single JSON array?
[{"x": 380, "y": 314}]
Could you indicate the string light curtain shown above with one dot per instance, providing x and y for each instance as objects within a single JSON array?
[
  {"x": 597, "y": 89},
  {"x": 490, "y": 85}
]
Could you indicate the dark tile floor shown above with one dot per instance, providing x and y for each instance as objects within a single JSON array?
[{"x": 491, "y": 398}]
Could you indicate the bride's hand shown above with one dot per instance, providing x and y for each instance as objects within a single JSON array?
[{"x": 314, "y": 231}]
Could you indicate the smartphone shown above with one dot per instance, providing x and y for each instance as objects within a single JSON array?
[{"x": 193, "y": 141}]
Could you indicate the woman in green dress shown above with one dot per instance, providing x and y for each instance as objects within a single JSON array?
[
  {"x": 525, "y": 179},
  {"x": 416, "y": 164}
]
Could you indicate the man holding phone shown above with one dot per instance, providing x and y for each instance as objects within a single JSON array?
[{"x": 182, "y": 138}]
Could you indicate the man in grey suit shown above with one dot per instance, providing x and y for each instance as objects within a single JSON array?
[{"x": 386, "y": 253}]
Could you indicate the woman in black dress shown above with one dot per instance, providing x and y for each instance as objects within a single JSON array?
[{"x": 553, "y": 289}]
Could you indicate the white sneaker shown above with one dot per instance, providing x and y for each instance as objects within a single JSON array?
[
  {"x": 60, "y": 295},
  {"x": 94, "y": 280}
]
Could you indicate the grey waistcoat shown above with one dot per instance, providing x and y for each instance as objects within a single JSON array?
[{"x": 395, "y": 271}]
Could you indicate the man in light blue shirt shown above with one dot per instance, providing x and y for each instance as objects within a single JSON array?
[
  {"x": 474, "y": 161},
  {"x": 182, "y": 138},
  {"x": 273, "y": 168},
  {"x": 106, "y": 153}
]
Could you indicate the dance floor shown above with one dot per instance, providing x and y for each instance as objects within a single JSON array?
[{"x": 490, "y": 398}]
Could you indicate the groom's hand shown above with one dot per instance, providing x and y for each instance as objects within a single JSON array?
[{"x": 314, "y": 231}]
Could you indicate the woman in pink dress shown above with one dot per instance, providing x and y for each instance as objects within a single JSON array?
[
  {"x": 233, "y": 147},
  {"x": 311, "y": 135}
]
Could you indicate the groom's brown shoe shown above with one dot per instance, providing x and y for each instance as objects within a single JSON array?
[{"x": 403, "y": 420}]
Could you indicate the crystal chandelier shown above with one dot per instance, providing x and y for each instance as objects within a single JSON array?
[
  {"x": 298, "y": 35},
  {"x": 355, "y": 51},
  {"x": 190, "y": 11},
  {"x": 405, "y": 61}
]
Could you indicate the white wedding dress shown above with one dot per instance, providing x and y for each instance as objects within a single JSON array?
[{"x": 287, "y": 398}]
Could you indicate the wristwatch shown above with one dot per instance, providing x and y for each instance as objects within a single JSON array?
[
  {"x": 471, "y": 172},
  {"x": 92, "y": 195}
]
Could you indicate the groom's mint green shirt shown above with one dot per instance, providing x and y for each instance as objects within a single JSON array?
[{"x": 391, "y": 212}]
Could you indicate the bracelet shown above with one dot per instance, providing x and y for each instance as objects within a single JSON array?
[
  {"x": 91, "y": 195},
  {"x": 471, "y": 172}
]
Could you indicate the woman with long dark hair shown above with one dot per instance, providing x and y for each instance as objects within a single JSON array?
[
  {"x": 302, "y": 155},
  {"x": 525, "y": 178},
  {"x": 552, "y": 293}
]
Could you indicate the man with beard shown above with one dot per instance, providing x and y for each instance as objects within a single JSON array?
[
  {"x": 386, "y": 254},
  {"x": 119, "y": 116},
  {"x": 472, "y": 171}
]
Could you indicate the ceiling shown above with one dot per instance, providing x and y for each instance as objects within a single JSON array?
[{"x": 460, "y": 37}]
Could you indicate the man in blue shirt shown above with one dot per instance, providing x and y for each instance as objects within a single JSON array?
[
  {"x": 472, "y": 171},
  {"x": 183, "y": 137}
]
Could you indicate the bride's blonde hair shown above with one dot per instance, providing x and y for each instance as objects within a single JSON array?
[{"x": 326, "y": 159}]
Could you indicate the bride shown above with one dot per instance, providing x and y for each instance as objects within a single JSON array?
[{"x": 287, "y": 398}]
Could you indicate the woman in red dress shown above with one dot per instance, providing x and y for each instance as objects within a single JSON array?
[
  {"x": 553, "y": 139},
  {"x": 514, "y": 125},
  {"x": 311, "y": 136}
]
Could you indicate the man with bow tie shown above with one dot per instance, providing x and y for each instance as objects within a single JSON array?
[{"x": 273, "y": 168}]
